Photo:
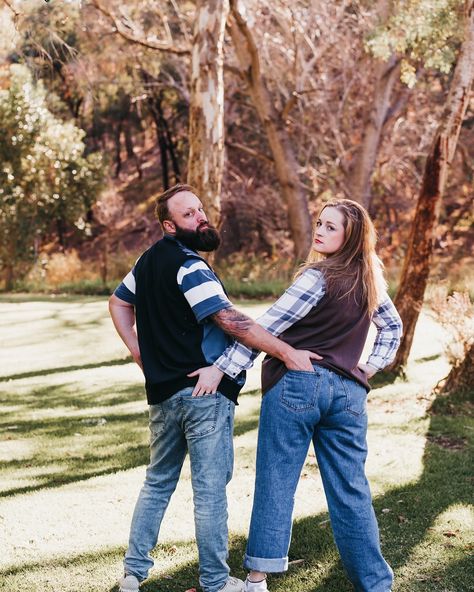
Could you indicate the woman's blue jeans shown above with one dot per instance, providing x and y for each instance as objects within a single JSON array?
[
  {"x": 203, "y": 427},
  {"x": 329, "y": 410}
]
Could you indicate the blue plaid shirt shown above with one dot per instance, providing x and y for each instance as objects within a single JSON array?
[{"x": 303, "y": 295}]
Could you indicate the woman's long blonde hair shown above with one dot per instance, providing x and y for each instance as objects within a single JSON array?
[{"x": 355, "y": 268}]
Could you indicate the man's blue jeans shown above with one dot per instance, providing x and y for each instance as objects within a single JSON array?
[
  {"x": 202, "y": 426},
  {"x": 330, "y": 410}
]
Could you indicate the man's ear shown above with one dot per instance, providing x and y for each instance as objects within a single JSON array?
[{"x": 169, "y": 227}]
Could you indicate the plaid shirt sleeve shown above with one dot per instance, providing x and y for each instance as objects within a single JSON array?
[
  {"x": 389, "y": 333},
  {"x": 292, "y": 306}
]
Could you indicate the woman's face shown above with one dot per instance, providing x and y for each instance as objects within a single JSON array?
[{"x": 329, "y": 233}]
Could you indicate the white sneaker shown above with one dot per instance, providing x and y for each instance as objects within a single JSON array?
[
  {"x": 128, "y": 584},
  {"x": 233, "y": 585},
  {"x": 256, "y": 586}
]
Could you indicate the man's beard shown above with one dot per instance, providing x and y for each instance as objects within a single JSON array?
[{"x": 207, "y": 239}]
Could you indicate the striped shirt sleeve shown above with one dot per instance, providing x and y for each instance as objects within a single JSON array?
[
  {"x": 304, "y": 294},
  {"x": 202, "y": 289},
  {"x": 389, "y": 333},
  {"x": 126, "y": 290}
]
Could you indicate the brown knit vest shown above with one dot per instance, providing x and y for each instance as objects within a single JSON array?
[{"x": 336, "y": 329}]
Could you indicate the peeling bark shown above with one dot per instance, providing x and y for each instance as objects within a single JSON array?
[
  {"x": 206, "y": 110},
  {"x": 414, "y": 278},
  {"x": 284, "y": 158}
]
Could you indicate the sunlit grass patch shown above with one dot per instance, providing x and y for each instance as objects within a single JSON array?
[
  {"x": 448, "y": 543},
  {"x": 74, "y": 446}
]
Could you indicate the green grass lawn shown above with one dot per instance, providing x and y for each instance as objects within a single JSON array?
[{"x": 73, "y": 447}]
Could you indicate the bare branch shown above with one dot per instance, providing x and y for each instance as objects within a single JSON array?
[
  {"x": 9, "y": 5},
  {"x": 250, "y": 151},
  {"x": 131, "y": 32}
]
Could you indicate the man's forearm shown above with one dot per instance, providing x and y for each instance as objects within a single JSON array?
[
  {"x": 123, "y": 317},
  {"x": 244, "y": 329}
]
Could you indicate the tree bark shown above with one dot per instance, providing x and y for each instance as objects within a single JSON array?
[
  {"x": 206, "y": 110},
  {"x": 284, "y": 158},
  {"x": 127, "y": 132},
  {"x": 386, "y": 74},
  {"x": 169, "y": 141},
  {"x": 118, "y": 149},
  {"x": 416, "y": 267},
  {"x": 364, "y": 164},
  {"x": 461, "y": 377}
]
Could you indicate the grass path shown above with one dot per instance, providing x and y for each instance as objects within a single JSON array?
[{"x": 73, "y": 448}]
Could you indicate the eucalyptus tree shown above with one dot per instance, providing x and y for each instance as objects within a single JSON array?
[
  {"x": 439, "y": 33},
  {"x": 273, "y": 122},
  {"x": 202, "y": 52}
]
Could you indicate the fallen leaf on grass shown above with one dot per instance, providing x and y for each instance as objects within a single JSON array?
[{"x": 402, "y": 519}]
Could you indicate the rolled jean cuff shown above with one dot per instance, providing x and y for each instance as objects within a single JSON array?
[{"x": 266, "y": 565}]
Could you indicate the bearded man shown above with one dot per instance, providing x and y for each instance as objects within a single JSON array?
[{"x": 184, "y": 320}]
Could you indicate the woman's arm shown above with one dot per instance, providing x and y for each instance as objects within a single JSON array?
[
  {"x": 389, "y": 333},
  {"x": 293, "y": 305},
  {"x": 303, "y": 294}
]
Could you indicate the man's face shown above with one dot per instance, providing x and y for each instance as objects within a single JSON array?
[
  {"x": 189, "y": 223},
  {"x": 186, "y": 211}
]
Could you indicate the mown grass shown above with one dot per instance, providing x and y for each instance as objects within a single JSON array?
[{"x": 75, "y": 425}]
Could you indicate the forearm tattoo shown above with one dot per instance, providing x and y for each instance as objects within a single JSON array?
[{"x": 233, "y": 322}]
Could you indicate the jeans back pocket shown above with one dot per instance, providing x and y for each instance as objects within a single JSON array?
[
  {"x": 200, "y": 414},
  {"x": 356, "y": 396},
  {"x": 156, "y": 419},
  {"x": 300, "y": 389}
]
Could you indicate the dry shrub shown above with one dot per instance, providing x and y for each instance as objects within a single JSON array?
[
  {"x": 52, "y": 271},
  {"x": 252, "y": 268},
  {"x": 455, "y": 313}
]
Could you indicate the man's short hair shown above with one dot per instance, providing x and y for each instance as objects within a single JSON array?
[{"x": 161, "y": 205}]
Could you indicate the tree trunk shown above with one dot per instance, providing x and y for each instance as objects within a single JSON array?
[
  {"x": 417, "y": 262},
  {"x": 130, "y": 149},
  {"x": 170, "y": 142},
  {"x": 461, "y": 377},
  {"x": 162, "y": 143},
  {"x": 364, "y": 163},
  {"x": 9, "y": 277},
  {"x": 386, "y": 74},
  {"x": 118, "y": 148},
  {"x": 284, "y": 158},
  {"x": 206, "y": 113}
]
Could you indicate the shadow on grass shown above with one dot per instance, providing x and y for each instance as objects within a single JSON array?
[
  {"x": 444, "y": 482},
  {"x": 57, "y": 370},
  {"x": 84, "y": 446},
  {"x": 428, "y": 359},
  {"x": 135, "y": 456},
  {"x": 242, "y": 426},
  {"x": 383, "y": 378},
  {"x": 67, "y": 396}
]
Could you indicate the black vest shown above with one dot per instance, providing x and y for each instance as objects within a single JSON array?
[{"x": 169, "y": 336}]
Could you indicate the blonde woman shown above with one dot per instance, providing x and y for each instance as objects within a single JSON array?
[{"x": 328, "y": 309}]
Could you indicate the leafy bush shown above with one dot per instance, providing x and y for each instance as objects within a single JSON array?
[{"x": 45, "y": 179}]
